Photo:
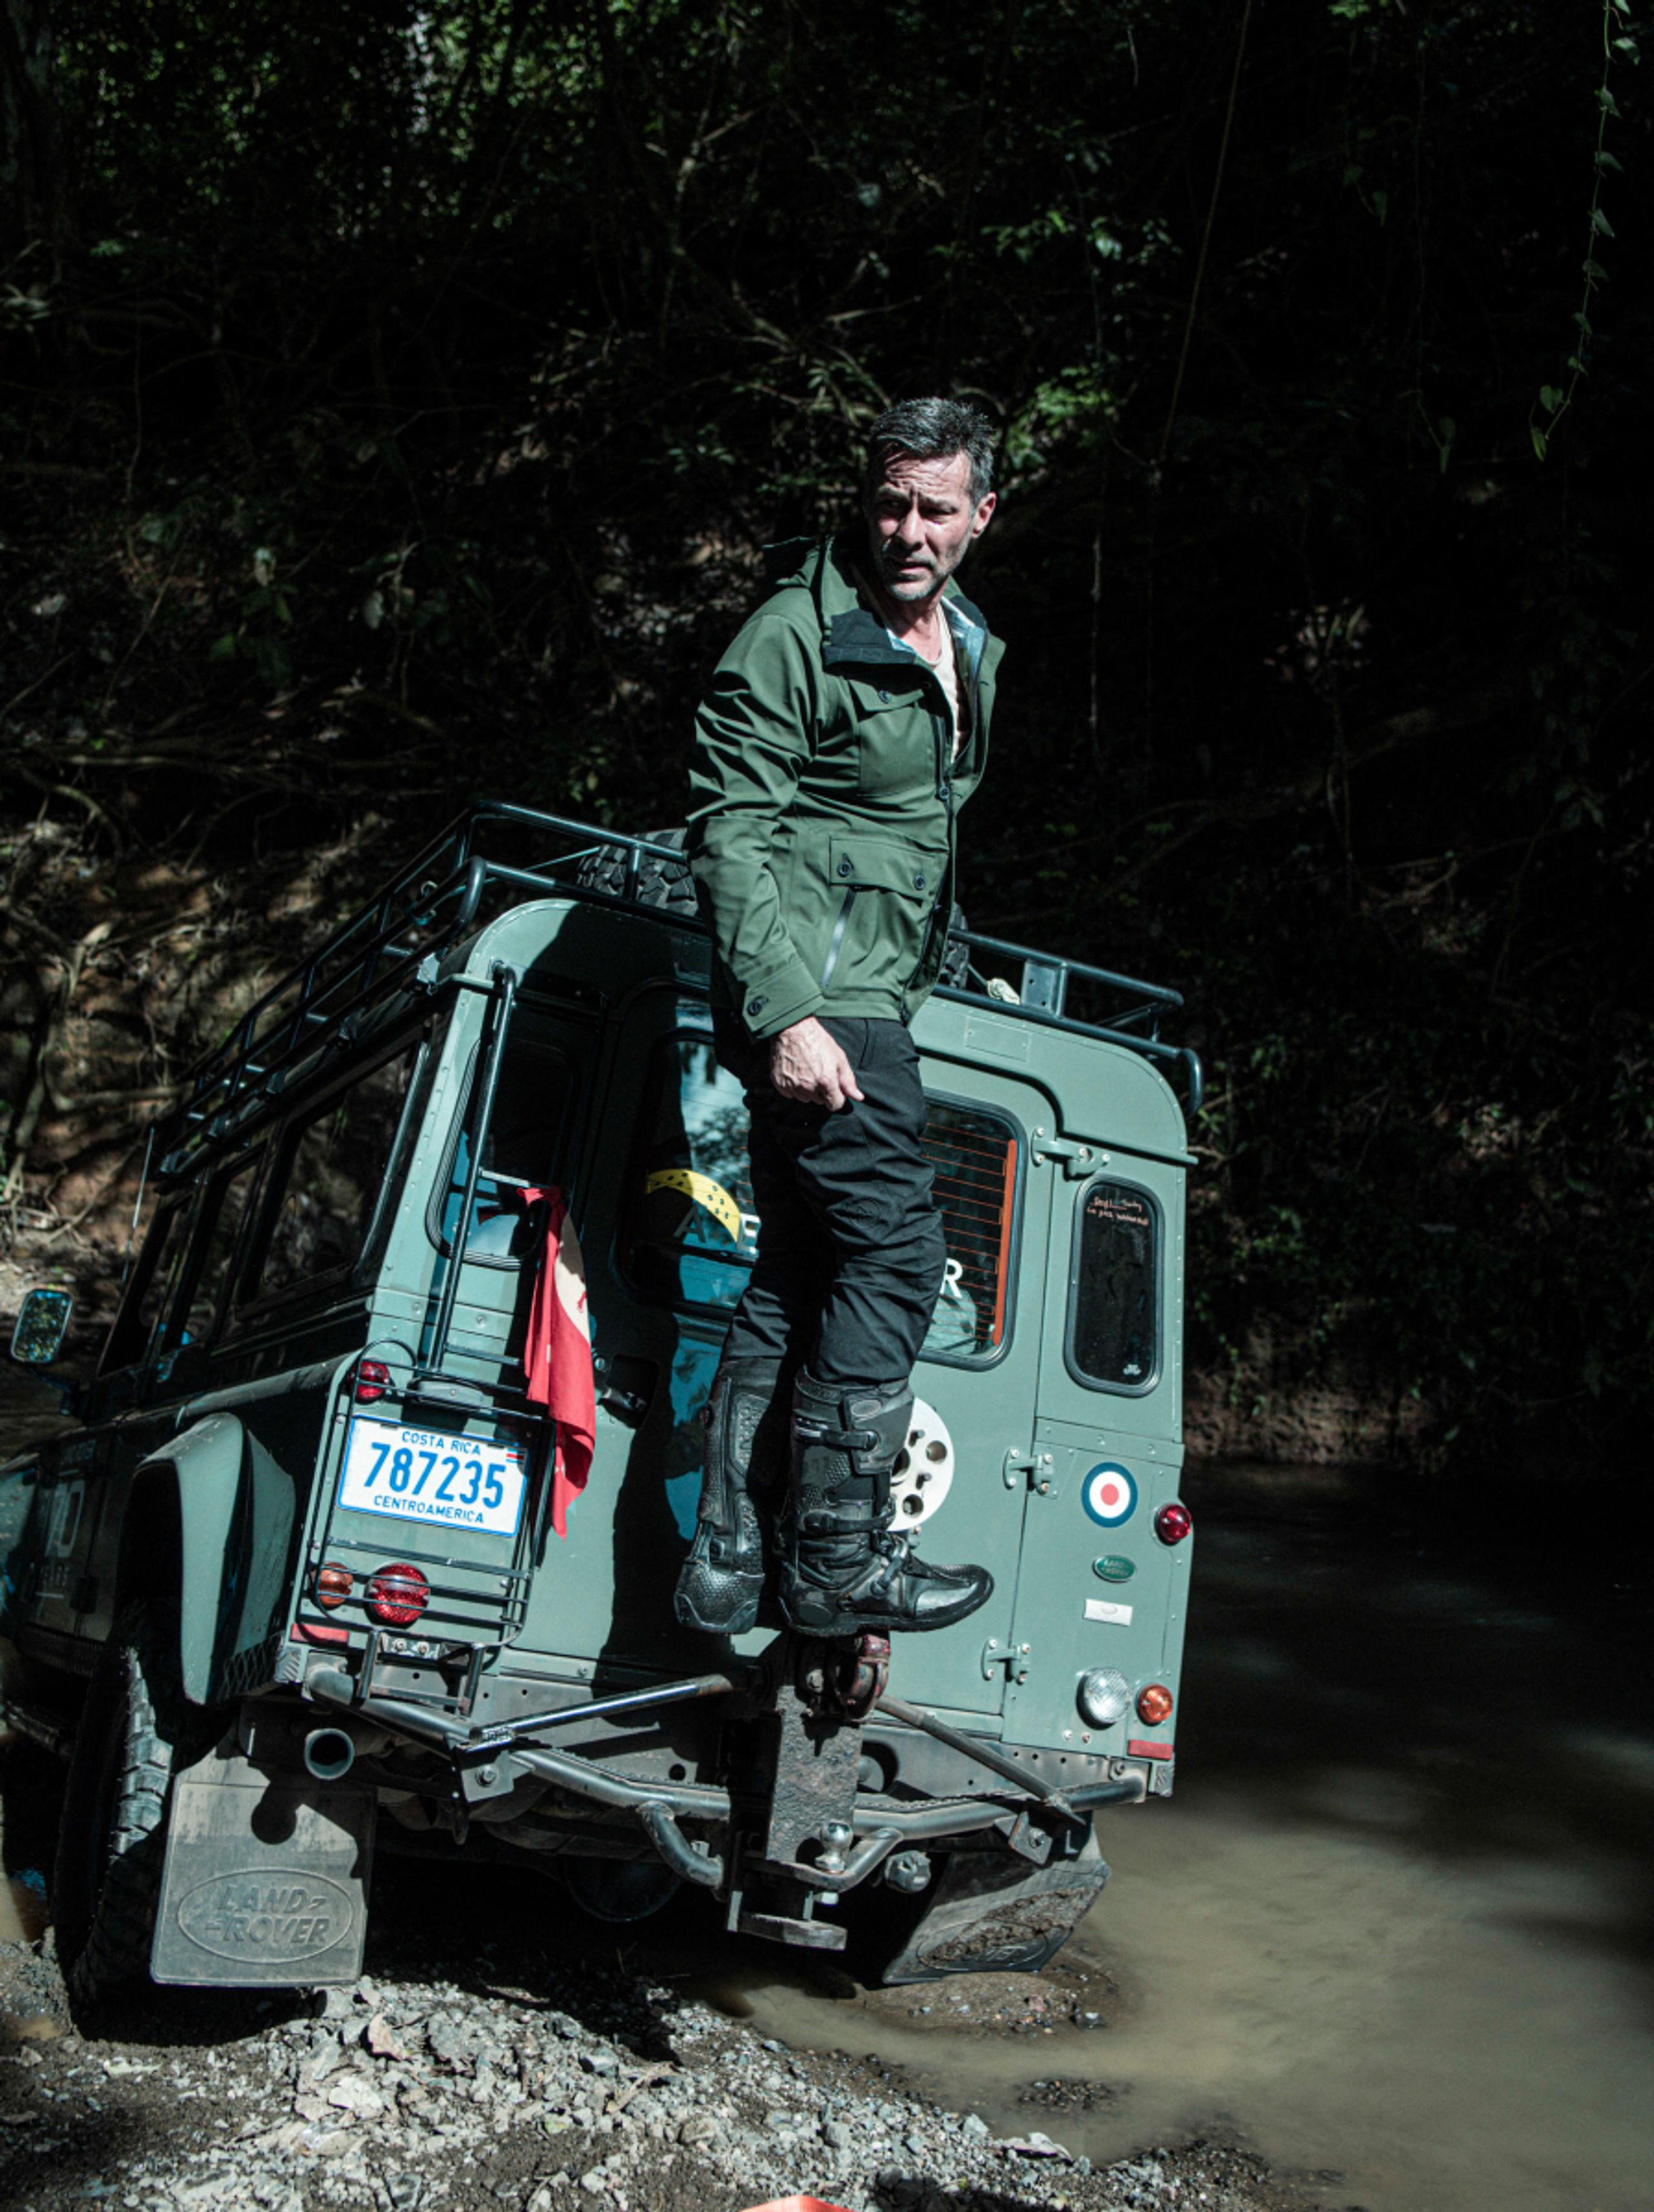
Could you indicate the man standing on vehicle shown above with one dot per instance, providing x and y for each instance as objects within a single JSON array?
[{"x": 843, "y": 729}]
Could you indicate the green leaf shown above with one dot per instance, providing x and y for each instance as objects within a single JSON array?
[
  {"x": 1595, "y": 270},
  {"x": 1606, "y": 99},
  {"x": 1540, "y": 441},
  {"x": 1605, "y": 160},
  {"x": 1600, "y": 223},
  {"x": 1549, "y": 398},
  {"x": 1583, "y": 321}
]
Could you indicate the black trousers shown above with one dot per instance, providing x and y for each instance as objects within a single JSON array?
[{"x": 851, "y": 1251}]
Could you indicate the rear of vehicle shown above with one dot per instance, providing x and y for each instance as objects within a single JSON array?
[{"x": 331, "y": 1427}]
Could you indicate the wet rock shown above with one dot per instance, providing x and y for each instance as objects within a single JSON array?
[{"x": 976, "y": 2127}]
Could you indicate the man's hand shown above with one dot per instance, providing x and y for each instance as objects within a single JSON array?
[{"x": 808, "y": 1067}]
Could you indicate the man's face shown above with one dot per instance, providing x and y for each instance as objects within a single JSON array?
[{"x": 919, "y": 521}]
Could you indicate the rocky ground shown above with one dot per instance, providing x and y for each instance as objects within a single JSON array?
[{"x": 457, "y": 2074}]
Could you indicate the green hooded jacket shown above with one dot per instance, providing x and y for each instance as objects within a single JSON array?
[{"x": 823, "y": 793}]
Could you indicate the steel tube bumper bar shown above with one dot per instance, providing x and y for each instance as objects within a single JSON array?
[{"x": 694, "y": 1801}]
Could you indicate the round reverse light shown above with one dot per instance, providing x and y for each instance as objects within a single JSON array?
[
  {"x": 1155, "y": 1704},
  {"x": 333, "y": 1585},
  {"x": 1173, "y": 1521},
  {"x": 1104, "y": 1696},
  {"x": 398, "y": 1595}
]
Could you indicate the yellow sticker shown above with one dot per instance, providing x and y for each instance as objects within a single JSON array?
[{"x": 704, "y": 1191}]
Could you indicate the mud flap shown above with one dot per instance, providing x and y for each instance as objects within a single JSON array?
[
  {"x": 992, "y": 1913},
  {"x": 265, "y": 1882}
]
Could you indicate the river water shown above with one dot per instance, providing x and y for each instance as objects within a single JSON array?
[{"x": 1393, "y": 1933}]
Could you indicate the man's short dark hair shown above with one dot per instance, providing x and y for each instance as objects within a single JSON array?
[{"x": 931, "y": 430}]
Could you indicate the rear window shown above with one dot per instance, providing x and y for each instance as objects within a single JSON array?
[
  {"x": 328, "y": 1182},
  {"x": 690, "y": 1233},
  {"x": 1114, "y": 1295},
  {"x": 975, "y": 1158},
  {"x": 523, "y": 1150}
]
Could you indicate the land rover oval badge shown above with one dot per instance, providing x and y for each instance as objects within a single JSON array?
[
  {"x": 1111, "y": 1568},
  {"x": 266, "y": 1919}
]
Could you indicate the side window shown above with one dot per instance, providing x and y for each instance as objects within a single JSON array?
[
  {"x": 1114, "y": 1293},
  {"x": 689, "y": 1233},
  {"x": 975, "y": 1157},
  {"x": 523, "y": 1150},
  {"x": 151, "y": 1286},
  {"x": 328, "y": 1179},
  {"x": 217, "y": 1241}
]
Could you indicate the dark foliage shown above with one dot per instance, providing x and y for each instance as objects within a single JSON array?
[{"x": 395, "y": 400}]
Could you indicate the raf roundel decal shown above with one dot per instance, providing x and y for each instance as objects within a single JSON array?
[{"x": 1109, "y": 1495}]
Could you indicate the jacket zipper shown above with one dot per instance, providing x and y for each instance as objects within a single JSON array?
[{"x": 838, "y": 937}]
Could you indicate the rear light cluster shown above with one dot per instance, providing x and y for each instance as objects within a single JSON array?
[
  {"x": 334, "y": 1585},
  {"x": 372, "y": 1381},
  {"x": 1104, "y": 1696},
  {"x": 396, "y": 1595},
  {"x": 1173, "y": 1521}
]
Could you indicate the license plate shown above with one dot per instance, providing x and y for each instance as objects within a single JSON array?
[{"x": 430, "y": 1476}]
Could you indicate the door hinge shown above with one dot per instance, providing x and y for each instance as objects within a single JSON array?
[
  {"x": 1013, "y": 1657},
  {"x": 1032, "y": 1467},
  {"x": 1078, "y": 1160}
]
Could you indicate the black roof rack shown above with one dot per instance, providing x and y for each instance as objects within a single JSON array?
[{"x": 395, "y": 943}]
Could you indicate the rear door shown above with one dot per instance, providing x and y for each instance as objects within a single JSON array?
[
  {"x": 976, "y": 1381},
  {"x": 1098, "y": 1590}
]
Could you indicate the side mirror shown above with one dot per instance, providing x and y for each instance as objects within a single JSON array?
[{"x": 42, "y": 1324}]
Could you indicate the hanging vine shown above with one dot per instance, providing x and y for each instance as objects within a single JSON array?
[{"x": 1554, "y": 400}]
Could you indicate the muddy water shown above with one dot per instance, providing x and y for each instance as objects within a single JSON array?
[{"x": 1394, "y": 1931}]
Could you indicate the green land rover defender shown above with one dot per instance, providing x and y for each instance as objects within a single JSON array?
[{"x": 290, "y": 1589}]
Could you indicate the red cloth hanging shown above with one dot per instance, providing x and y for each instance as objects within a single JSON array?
[{"x": 557, "y": 1357}]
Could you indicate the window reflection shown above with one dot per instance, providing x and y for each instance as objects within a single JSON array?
[{"x": 330, "y": 1178}]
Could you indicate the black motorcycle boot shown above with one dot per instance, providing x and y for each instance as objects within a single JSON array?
[
  {"x": 843, "y": 1567},
  {"x": 745, "y": 1413}
]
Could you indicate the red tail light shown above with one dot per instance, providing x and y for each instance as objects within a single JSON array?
[
  {"x": 1173, "y": 1521},
  {"x": 1155, "y": 1704},
  {"x": 397, "y": 1596},
  {"x": 372, "y": 1381},
  {"x": 333, "y": 1585}
]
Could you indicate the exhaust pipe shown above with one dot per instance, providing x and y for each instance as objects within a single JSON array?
[{"x": 329, "y": 1753}]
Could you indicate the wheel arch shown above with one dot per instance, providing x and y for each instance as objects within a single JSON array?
[{"x": 208, "y": 1530}]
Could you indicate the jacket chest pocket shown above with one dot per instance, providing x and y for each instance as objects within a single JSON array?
[
  {"x": 895, "y": 740},
  {"x": 885, "y": 893}
]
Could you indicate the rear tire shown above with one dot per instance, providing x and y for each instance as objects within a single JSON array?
[
  {"x": 660, "y": 882},
  {"x": 137, "y": 1731}
]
